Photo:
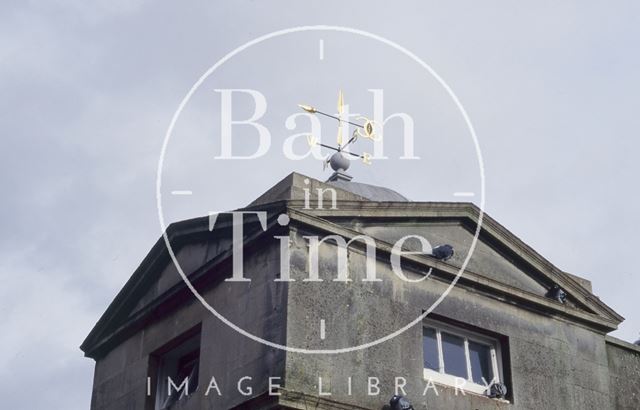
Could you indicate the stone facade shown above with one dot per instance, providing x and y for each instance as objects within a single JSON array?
[{"x": 553, "y": 355}]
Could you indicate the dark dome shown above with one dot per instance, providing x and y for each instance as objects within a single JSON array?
[{"x": 371, "y": 192}]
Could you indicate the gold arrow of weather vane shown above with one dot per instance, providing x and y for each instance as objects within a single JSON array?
[{"x": 366, "y": 130}]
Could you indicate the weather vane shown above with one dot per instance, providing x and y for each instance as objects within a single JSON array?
[{"x": 367, "y": 130}]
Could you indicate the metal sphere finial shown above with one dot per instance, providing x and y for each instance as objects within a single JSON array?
[{"x": 339, "y": 162}]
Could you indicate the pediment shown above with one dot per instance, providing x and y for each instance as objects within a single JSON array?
[
  {"x": 191, "y": 257},
  {"x": 157, "y": 281},
  {"x": 500, "y": 258},
  {"x": 485, "y": 260},
  {"x": 500, "y": 262}
]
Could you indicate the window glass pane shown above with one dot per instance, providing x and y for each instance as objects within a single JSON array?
[
  {"x": 455, "y": 362},
  {"x": 430, "y": 348},
  {"x": 480, "y": 357}
]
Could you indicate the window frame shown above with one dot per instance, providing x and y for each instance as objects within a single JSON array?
[
  {"x": 166, "y": 360},
  {"x": 441, "y": 377}
]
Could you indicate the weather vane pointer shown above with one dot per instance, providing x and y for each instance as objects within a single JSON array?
[{"x": 366, "y": 130}]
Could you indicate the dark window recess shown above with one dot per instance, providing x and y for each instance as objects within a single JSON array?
[
  {"x": 178, "y": 370},
  {"x": 451, "y": 352}
]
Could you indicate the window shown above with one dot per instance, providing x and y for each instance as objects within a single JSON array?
[
  {"x": 178, "y": 367},
  {"x": 452, "y": 354}
]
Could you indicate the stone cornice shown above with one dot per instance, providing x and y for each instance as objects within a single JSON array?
[
  {"x": 469, "y": 279},
  {"x": 119, "y": 318},
  {"x": 471, "y": 213}
]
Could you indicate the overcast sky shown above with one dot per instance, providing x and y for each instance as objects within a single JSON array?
[{"x": 87, "y": 92}]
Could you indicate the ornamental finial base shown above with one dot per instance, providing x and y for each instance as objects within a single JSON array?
[{"x": 339, "y": 176}]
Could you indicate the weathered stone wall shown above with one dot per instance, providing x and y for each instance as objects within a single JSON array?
[
  {"x": 624, "y": 374},
  {"x": 555, "y": 364},
  {"x": 258, "y": 307},
  {"x": 552, "y": 363}
]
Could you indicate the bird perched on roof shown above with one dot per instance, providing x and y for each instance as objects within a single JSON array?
[
  {"x": 443, "y": 252},
  {"x": 557, "y": 294},
  {"x": 398, "y": 402}
]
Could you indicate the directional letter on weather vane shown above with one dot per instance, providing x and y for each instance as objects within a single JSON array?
[{"x": 365, "y": 130}]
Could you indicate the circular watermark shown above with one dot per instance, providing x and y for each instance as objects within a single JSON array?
[{"x": 430, "y": 71}]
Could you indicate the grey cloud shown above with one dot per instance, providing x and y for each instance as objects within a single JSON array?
[{"x": 88, "y": 90}]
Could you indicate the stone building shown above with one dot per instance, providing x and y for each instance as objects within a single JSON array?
[{"x": 513, "y": 320}]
